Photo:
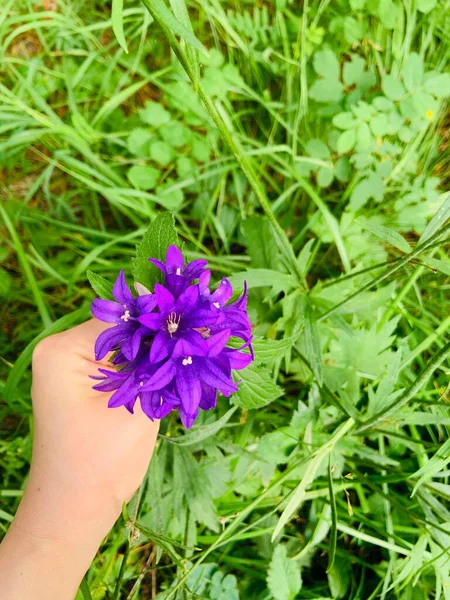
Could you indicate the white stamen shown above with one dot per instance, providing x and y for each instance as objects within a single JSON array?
[
  {"x": 187, "y": 361},
  {"x": 178, "y": 271},
  {"x": 160, "y": 400},
  {"x": 216, "y": 304},
  {"x": 172, "y": 323},
  {"x": 126, "y": 316},
  {"x": 141, "y": 383}
]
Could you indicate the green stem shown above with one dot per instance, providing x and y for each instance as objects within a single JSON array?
[
  {"x": 400, "y": 264},
  {"x": 409, "y": 393},
  {"x": 84, "y": 588},
  {"x": 27, "y": 270},
  {"x": 244, "y": 162}
]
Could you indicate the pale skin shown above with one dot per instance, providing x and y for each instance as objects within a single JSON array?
[{"x": 87, "y": 460}]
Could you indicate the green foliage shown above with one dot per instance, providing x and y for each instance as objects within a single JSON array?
[
  {"x": 283, "y": 577},
  {"x": 160, "y": 234},
  {"x": 304, "y": 152}
]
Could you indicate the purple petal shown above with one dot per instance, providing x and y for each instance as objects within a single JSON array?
[
  {"x": 121, "y": 291},
  {"x": 146, "y": 304},
  {"x": 107, "y": 310},
  {"x": 185, "y": 347},
  {"x": 125, "y": 394},
  {"x": 187, "y": 300},
  {"x": 193, "y": 269},
  {"x": 130, "y": 347},
  {"x": 216, "y": 343},
  {"x": 187, "y": 420},
  {"x": 150, "y": 403},
  {"x": 209, "y": 397},
  {"x": 189, "y": 389},
  {"x": 164, "y": 299},
  {"x": 160, "y": 378},
  {"x": 159, "y": 264},
  {"x": 175, "y": 284},
  {"x": 201, "y": 318},
  {"x": 152, "y": 321},
  {"x": 107, "y": 385},
  {"x": 241, "y": 303},
  {"x": 174, "y": 259},
  {"x": 223, "y": 292},
  {"x": 216, "y": 378},
  {"x": 197, "y": 343},
  {"x": 203, "y": 283},
  {"x": 108, "y": 340},
  {"x": 130, "y": 406},
  {"x": 161, "y": 346},
  {"x": 239, "y": 360}
]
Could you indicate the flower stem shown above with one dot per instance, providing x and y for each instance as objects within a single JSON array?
[{"x": 243, "y": 161}]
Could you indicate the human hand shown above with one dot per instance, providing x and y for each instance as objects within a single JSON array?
[
  {"x": 79, "y": 443},
  {"x": 87, "y": 460}
]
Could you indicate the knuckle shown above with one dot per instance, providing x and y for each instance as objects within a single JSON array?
[{"x": 45, "y": 349}]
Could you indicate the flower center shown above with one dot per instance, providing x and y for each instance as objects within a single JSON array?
[
  {"x": 187, "y": 361},
  {"x": 178, "y": 271},
  {"x": 126, "y": 316},
  {"x": 216, "y": 304},
  {"x": 173, "y": 322}
]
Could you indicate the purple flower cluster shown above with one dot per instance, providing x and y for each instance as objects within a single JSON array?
[{"x": 170, "y": 347}]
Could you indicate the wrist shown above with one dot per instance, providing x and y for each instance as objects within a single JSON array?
[{"x": 52, "y": 540}]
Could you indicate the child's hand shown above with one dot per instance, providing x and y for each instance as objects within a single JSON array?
[{"x": 87, "y": 460}]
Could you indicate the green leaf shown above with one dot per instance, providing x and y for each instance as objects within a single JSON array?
[
  {"x": 413, "y": 72},
  {"x": 312, "y": 343},
  {"x": 437, "y": 84},
  {"x": 379, "y": 125},
  {"x": 372, "y": 187},
  {"x": 181, "y": 13},
  {"x": 386, "y": 12},
  {"x": 333, "y": 533},
  {"x": 154, "y": 114},
  {"x": 346, "y": 141},
  {"x": 342, "y": 168},
  {"x": 203, "y": 432},
  {"x": 283, "y": 576},
  {"x": 117, "y": 23},
  {"x": 326, "y": 90},
  {"x": 344, "y": 120},
  {"x": 161, "y": 153},
  {"x": 101, "y": 286},
  {"x": 438, "y": 462},
  {"x": 310, "y": 474},
  {"x": 5, "y": 283},
  {"x": 318, "y": 149},
  {"x": 139, "y": 142},
  {"x": 165, "y": 543},
  {"x": 160, "y": 12},
  {"x": 256, "y": 389},
  {"x": 353, "y": 70},
  {"x": 392, "y": 87},
  {"x": 426, "y": 6},
  {"x": 325, "y": 176},
  {"x": 388, "y": 235},
  {"x": 160, "y": 234},
  {"x": 326, "y": 64},
  {"x": 265, "y": 255},
  {"x": 266, "y": 350},
  {"x": 280, "y": 282},
  {"x": 438, "y": 221},
  {"x": 143, "y": 177},
  {"x": 339, "y": 577}
]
